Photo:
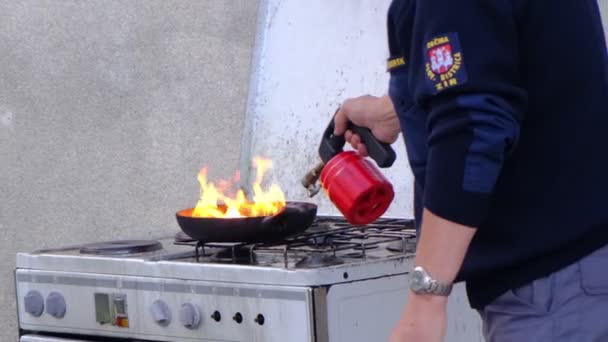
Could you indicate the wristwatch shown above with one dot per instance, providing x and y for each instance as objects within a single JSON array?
[{"x": 422, "y": 283}]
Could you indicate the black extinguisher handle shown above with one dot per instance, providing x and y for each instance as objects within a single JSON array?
[{"x": 332, "y": 145}]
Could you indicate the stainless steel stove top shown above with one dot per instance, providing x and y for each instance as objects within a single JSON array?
[{"x": 327, "y": 247}]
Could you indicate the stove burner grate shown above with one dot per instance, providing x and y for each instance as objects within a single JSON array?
[
  {"x": 121, "y": 247},
  {"x": 327, "y": 242},
  {"x": 234, "y": 253},
  {"x": 403, "y": 246}
]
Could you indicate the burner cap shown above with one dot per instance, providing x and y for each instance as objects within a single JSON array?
[
  {"x": 121, "y": 247},
  {"x": 317, "y": 260}
]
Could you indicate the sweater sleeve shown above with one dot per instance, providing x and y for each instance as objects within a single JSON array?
[{"x": 465, "y": 73}]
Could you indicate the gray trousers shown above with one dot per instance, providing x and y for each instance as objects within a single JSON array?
[{"x": 570, "y": 305}]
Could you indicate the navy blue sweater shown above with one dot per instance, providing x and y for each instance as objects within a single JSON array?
[{"x": 503, "y": 106}]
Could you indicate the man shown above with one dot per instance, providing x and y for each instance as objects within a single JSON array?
[{"x": 503, "y": 107}]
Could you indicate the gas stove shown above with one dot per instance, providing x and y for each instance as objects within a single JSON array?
[{"x": 334, "y": 282}]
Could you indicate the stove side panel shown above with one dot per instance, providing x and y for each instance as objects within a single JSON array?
[{"x": 368, "y": 310}]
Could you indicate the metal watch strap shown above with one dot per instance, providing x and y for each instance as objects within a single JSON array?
[{"x": 440, "y": 289}]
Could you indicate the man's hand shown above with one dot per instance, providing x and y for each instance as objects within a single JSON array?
[
  {"x": 423, "y": 320},
  {"x": 375, "y": 113}
]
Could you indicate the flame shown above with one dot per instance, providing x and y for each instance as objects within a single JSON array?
[{"x": 266, "y": 202}]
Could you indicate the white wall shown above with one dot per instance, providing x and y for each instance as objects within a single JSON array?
[{"x": 310, "y": 59}]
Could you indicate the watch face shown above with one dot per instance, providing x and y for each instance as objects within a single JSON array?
[{"x": 417, "y": 281}]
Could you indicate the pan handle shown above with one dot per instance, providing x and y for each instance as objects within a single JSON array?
[
  {"x": 293, "y": 215},
  {"x": 279, "y": 220}
]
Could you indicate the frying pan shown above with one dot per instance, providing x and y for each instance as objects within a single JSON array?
[{"x": 295, "y": 217}]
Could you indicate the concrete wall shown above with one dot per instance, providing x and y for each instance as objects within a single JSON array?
[{"x": 107, "y": 111}]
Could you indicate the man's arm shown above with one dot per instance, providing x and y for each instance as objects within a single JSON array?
[
  {"x": 441, "y": 249},
  {"x": 465, "y": 71}
]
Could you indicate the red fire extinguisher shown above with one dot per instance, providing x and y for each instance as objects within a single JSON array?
[{"x": 353, "y": 184}]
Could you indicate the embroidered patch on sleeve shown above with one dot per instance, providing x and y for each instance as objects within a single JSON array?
[
  {"x": 444, "y": 62},
  {"x": 395, "y": 63}
]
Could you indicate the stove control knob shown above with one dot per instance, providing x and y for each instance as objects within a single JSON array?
[
  {"x": 238, "y": 318},
  {"x": 161, "y": 313},
  {"x": 34, "y": 303},
  {"x": 216, "y": 316},
  {"x": 55, "y": 305},
  {"x": 260, "y": 319},
  {"x": 190, "y": 316}
]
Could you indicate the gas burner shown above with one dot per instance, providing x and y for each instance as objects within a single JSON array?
[
  {"x": 121, "y": 247},
  {"x": 317, "y": 260},
  {"x": 407, "y": 245},
  {"x": 235, "y": 254}
]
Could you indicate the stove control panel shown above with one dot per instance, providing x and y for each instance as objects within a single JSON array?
[{"x": 159, "y": 309}]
